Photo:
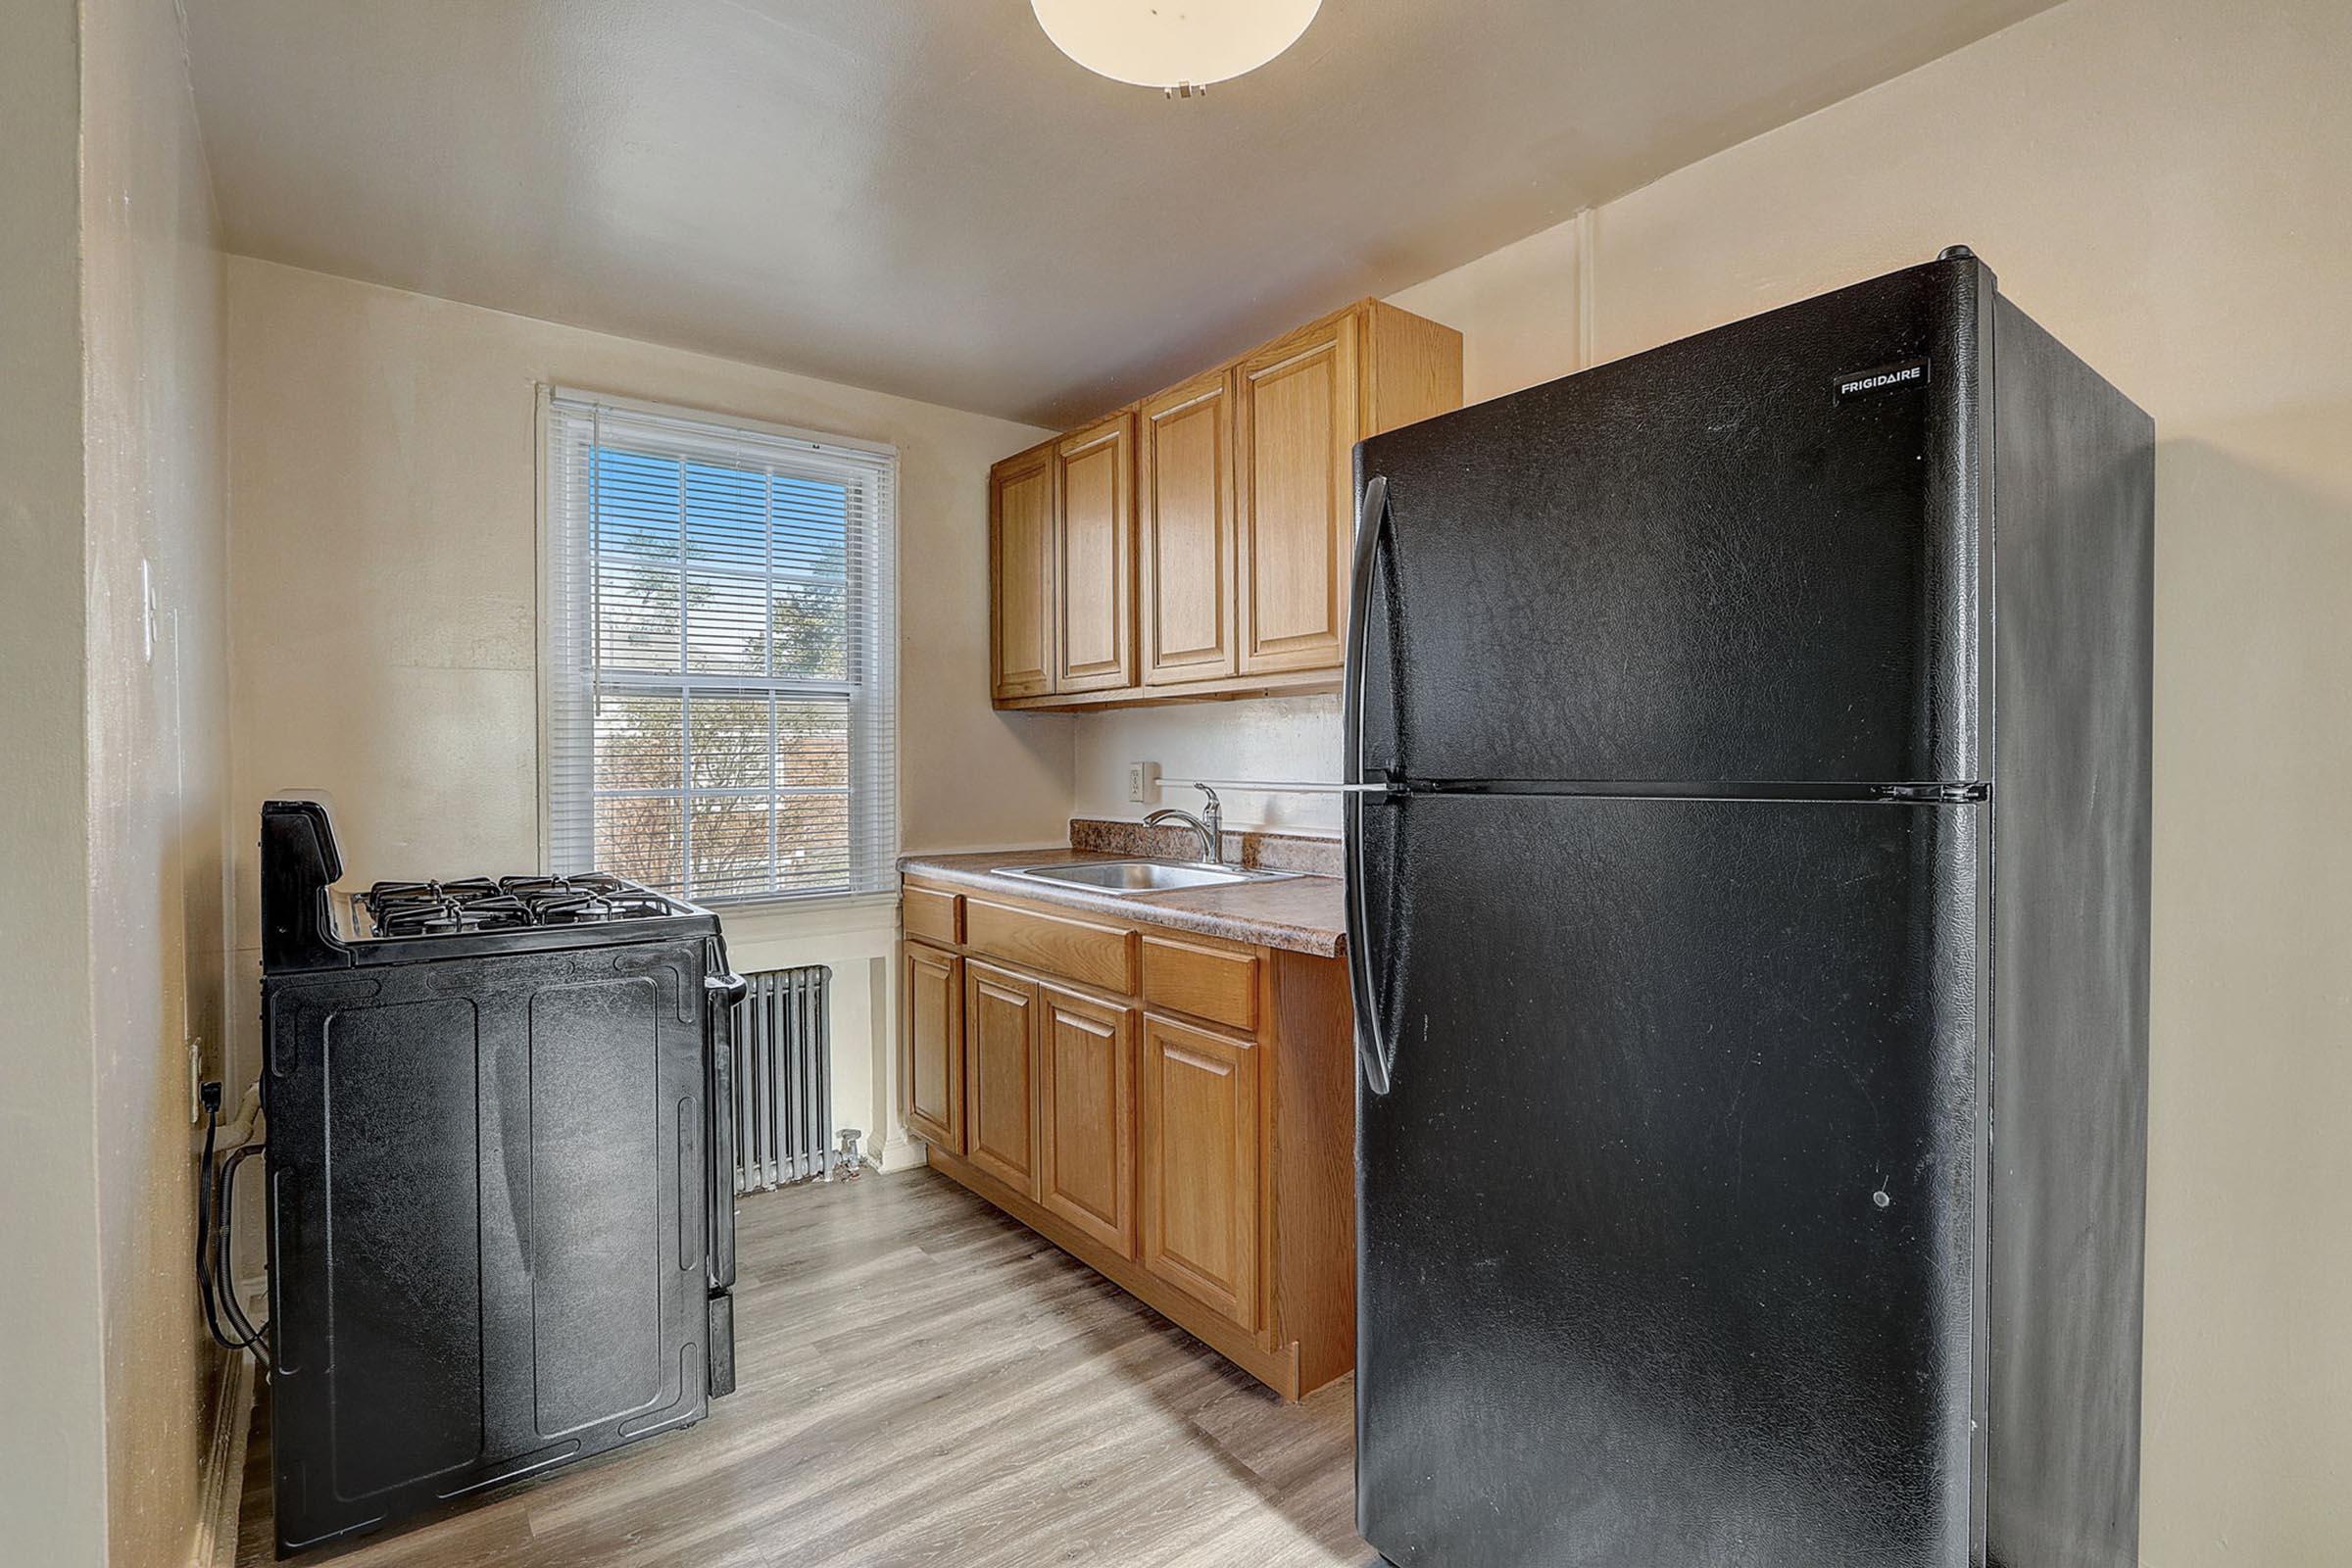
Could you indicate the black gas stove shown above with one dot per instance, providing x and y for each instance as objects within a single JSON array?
[{"x": 502, "y": 1181}]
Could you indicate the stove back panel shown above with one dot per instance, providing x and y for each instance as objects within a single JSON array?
[{"x": 486, "y": 1220}]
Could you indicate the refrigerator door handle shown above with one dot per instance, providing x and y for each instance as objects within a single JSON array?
[{"x": 1371, "y": 521}]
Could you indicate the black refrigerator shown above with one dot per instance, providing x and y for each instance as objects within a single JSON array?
[{"x": 1748, "y": 905}]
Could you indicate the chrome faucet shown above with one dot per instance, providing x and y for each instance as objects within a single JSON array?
[{"x": 1209, "y": 824}]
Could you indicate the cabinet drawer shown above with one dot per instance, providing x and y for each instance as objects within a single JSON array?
[
  {"x": 1207, "y": 982},
  {"x": 1100, "y": 956},
  {"x": 932, "y": 916}
]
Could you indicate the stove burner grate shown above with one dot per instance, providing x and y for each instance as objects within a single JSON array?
[{"x": 507, "y": 904}]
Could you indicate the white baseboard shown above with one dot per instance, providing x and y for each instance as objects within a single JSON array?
[
  {"x": 224, "y": 1486},
  {"x": 904, "y": 1155}
]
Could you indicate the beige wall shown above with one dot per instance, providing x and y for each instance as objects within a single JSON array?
[
  {"x": 157, "y": 725},
  {"x": 382, "y": 480},
  {"x": 52, "y": 1448},
  {"x": 112, "y": 927},
  {"x": 2167, "y": 184}
]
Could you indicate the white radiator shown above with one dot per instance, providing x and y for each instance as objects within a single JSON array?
[{"x": 783, "y": 1079}]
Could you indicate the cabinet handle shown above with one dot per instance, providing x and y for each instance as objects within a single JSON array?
[{"x": 1371, "y": 521}]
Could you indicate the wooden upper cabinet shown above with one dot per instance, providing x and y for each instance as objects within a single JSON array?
[
  {"x": 1020, "y": 572},
  {"x": 1185, "y": 526},
  {"x": 931, "y": 1044},
  {"x": 1412, "y": 367},
  {"x": 1094, "y": 556},
  {"x": 1200, "y": 542},
  {"x": 1085, "y": 1166},
  {"x": 1297, "y": 420},
  {"x": 1000, "y": 1053},
  {"x": 1200, "y": 1166}
]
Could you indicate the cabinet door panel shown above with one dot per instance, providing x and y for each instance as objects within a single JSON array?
[
  {"x": 1000, "y": 1046},
  {"x": 1086, "y": 1169},
  {"x": 1185, "y": 529},
  {"x": 1298, "y": 418},
  {"x": 1020, "y": 542},
  {"x": 1094, "y": 530},
  {"x": 1200, "y": 1166},
  {"x": 931, "y": 1044}
]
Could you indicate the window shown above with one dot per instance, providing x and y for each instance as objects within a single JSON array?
[{"x": 718, "y": 663}]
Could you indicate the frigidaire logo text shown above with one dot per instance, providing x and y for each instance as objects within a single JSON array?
[
  {"x": 1872, "y": 383},
  {"x": 1907, "y": 372}
]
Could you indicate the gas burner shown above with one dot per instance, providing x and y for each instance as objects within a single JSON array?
[
  {"x": 462, "y": 887},
  {"x": 447, "y": 918},
  {"x": 442, "y": 909},
  {"x": 583, "y": 908},
  {"x": 585, "y": 882},
  {"x": 591, "y": 895}
]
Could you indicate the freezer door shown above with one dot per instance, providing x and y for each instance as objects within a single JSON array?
[
  {"x": 1667, "y": 1226},
  {"x": 1749, "y": 555}
]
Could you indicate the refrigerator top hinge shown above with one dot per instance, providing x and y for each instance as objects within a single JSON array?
[{"x": 1933, "y": 793}]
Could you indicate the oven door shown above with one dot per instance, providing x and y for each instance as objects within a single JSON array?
[{"x": 722, "y": 991}]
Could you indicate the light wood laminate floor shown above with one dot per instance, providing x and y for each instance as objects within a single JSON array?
[{"x": 923, "y": 1381}]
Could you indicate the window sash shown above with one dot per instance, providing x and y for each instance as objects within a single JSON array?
[{"x": 576, "y": 682}]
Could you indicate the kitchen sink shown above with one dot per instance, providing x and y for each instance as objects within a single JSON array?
[{"x": 1127, "y": 877}]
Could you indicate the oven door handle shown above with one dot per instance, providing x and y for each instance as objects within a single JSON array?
[{"x": 721, "y": 993}]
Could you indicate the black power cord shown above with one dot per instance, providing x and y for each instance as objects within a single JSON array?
[
  {"x": 217, "y": 1191},
  {"x": 225, "y": 1262}
]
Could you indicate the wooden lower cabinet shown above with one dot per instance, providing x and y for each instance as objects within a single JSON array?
[
  {"x": 999, "y": 1067},
  {"x": 1087, "y": 1095},
  {"x": 1201, "y": 1167},
  {"x": 931, "y": 1044},
  {"x": 1203, "y": 1161}
]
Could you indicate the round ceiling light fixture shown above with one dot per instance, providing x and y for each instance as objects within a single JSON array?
[{"x": 1179, "y": 46}]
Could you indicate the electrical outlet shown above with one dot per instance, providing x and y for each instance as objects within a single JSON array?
[
  {"x": 1142, "y": 782},
  {"x": 196, "y": 1080}
]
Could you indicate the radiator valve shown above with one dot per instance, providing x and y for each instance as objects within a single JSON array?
[{"x": 848, "y": 1161}]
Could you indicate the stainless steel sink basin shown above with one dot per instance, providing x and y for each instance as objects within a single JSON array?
[{"x": 1128, "y": 877}]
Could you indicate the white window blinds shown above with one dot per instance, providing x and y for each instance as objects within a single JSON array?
[{"x": 718, "y": 653}]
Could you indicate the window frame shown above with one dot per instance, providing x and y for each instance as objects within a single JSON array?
[{"x": 566, "y": 684}]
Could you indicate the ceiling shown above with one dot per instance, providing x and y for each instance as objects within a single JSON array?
[{"x": 925, "y": 197}]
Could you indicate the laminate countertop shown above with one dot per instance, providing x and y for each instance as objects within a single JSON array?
[{"x": 1298, "y": 914}]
